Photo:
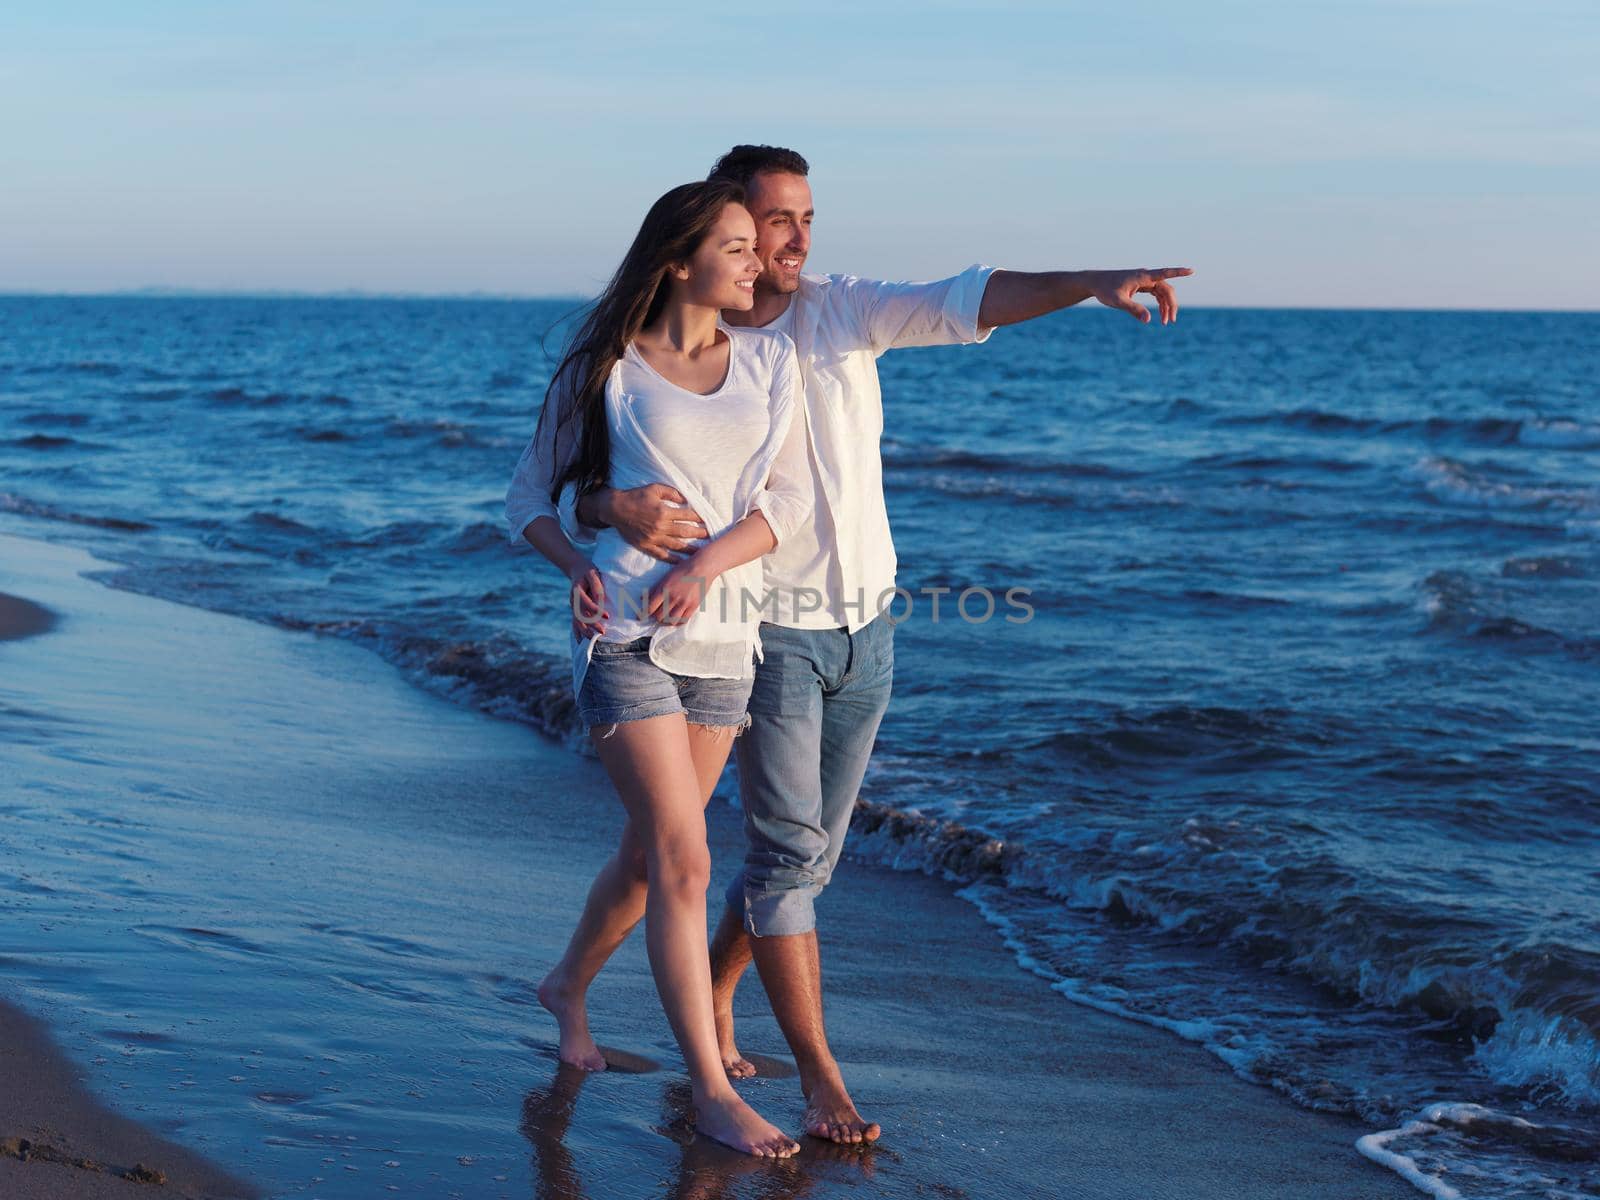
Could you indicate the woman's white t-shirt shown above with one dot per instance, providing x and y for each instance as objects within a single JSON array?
[
  {"x": 712, "y": 439},
  {"x": 738, "y": 450}
]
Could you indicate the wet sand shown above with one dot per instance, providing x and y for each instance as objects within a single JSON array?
[
  {"x": 21, "y": 618},
  {"x": 57, "y": 1142},
  {"x": 394, "y": 873}
]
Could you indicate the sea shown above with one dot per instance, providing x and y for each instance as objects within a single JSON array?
[{"x": 1285, "y": 740}]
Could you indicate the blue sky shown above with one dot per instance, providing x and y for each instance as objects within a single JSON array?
[{"x": 1375, "y": 153}]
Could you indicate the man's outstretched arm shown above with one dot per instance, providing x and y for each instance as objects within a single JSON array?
[{"x": 1011, "y": 297}]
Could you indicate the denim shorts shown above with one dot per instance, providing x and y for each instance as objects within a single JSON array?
[{"x": 622, "y": 684}]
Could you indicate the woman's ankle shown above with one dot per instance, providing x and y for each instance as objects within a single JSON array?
[{"x": 713, "y": 1091}]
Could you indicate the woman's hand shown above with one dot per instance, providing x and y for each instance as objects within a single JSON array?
[
  {"x": 588, "y": 600},
  {"x": 676, "y": 598}
]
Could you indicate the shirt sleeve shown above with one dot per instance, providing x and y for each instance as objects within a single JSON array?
[
  {"x": 787, "y": 496},
  {"x": 942, "y": 313},
  {"x": 580, "y": 535},
  {"x": 554, "y": 444}
]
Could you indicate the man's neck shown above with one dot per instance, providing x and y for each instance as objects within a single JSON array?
[{"x": 769, "y": 306}]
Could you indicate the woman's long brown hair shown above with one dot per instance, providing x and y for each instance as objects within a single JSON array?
[{"x": 672, "y": 230}]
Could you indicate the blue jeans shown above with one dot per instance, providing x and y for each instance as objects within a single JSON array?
[{"x": 818, "y": 698}]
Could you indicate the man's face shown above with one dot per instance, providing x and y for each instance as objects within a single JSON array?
[{"x": 781, "y": 204}]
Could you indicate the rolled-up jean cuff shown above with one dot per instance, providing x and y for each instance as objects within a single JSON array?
[{"x": 781, "y": 913}]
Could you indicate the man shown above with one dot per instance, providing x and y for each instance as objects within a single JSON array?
[{"x": 828, "y": 652}]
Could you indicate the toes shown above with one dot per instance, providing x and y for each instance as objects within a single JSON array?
[{"x": 872, "y": 1132}]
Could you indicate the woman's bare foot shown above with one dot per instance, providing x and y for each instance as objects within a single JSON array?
[
  {"x": 736, "y": 1064},
  {"x": 830, "y": 1115},
  {"x": 572, "y": 1017},
  {"x": 731, "y": 1121}
]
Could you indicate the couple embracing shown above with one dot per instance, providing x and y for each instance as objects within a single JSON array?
[{"x": 706, "y": 472}]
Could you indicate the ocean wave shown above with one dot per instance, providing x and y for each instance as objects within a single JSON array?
[
  {"x": 1479, "y": 1147},
  {"x": 73, "y": 420},
  {"x": 235, "y": 397},
  {"x": 1255, "y": 462},
  {"x": 278, "y": 523},
  {"x": 308, "y": 434},
  {"x": 497, "y": 675},
  {"x": 1116, "y": 496},
  {"x": 477, "y": 538},
  {"x": 1282, "y": 909},
  {"x": 445, "y": 432},
  {"x": 11, "y": 502},
  {"x": 911, "y": 457},
  {"x": 1535, "y": 1049},
  {"x": 1492, "y": 431},
  {"x": 1313, "y": 419},
  {"x": 392, "y": 535},
  {"x": 267, "y": 533},
  {"x": 1544, "y": 566},
  {"x": 1560, "y": 433},
  {"x": 1453, "y": 482},
  {"x": 1458, "y": 604},
  {"x": 1194, "y": 732}
]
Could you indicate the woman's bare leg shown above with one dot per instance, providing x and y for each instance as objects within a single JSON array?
[
  {"x": 615, "y": 905},
  {"x": 652, "y": 768}
]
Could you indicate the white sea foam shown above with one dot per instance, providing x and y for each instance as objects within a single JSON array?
[
  {"x": 1455, "y": 482},
  {"x": 1560, "y": 433},
  {"x": 1536, "y": 1048},
  {"x": 1378, "y": 1146}
]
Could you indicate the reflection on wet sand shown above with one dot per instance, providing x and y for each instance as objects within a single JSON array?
[{"x": 706, "y": 1170}]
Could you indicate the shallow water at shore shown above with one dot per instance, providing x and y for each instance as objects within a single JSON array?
[{"x": 289, "y": 911}]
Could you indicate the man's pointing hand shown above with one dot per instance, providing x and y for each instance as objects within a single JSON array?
[{"x": 1118, "y": 289}]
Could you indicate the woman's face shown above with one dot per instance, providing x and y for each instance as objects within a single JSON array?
[{"x": 722, "y": 270}]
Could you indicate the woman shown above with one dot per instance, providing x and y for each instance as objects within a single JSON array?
[{"x": 655, "y": 388}]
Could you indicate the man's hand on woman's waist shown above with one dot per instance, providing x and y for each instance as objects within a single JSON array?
[{"x": 654, "y": 518}]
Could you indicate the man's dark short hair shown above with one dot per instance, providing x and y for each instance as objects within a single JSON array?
[{"x": 744, "y": 163}]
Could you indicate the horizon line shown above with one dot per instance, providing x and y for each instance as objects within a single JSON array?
[{"x": 351, "y": 294}]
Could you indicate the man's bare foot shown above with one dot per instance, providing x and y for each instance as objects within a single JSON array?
[
  {"x": 736, "y": 1064},
  {"x": 830, "y": 1115},
  {"x": 731, "y": 1121},
  {"x": 572, "y": 1017}
]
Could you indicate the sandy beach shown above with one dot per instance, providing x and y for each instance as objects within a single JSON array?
[
  {"x": 58, "y": 1142},
  {"x": 21, "y": 618},
  {"x": 286, "y": 911}
]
